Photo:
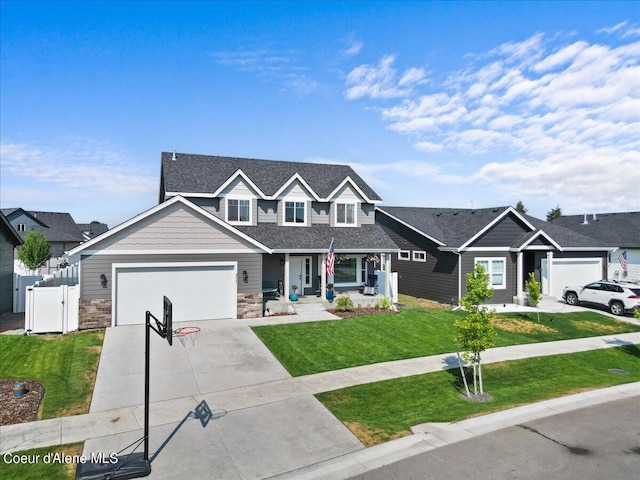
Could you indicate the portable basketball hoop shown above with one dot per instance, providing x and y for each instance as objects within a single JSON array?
[
  {"x": 187, "y": 335},
  {"x": 134, "y": 465}
]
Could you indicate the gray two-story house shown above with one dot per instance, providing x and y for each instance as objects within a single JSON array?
[{"x": 224, "y": 229}]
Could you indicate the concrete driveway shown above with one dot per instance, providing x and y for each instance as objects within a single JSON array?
[{"x": 240, "y": 442}]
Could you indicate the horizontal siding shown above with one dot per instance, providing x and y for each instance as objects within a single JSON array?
[
  {"x": 366, "y": 215},
  {"x": 174, "y": 228},
  {"x": 6, "y": 275},
  {"x": 436, "y": 279},
  {"x": 267, "y": 211},
  {"x": 320, "y": 213},
  {"x": 95, "y": 265},
  {"x": 499, "y": 295}
]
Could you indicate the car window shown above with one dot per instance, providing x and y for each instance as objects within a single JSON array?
[
  {"x": 612, "y": 288},
  {"x": 594, "y": 286},
  {"x": 636, "y": 291}
]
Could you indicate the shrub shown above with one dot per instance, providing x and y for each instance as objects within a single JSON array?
[
  {"x": 385, "y": 303},
  {"x": 344, "y": 304}
]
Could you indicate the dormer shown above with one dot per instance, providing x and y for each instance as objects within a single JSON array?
[
  {"x": 294, "y": 204},
  {"x": 347, "y": 206},
  {"x": 239, "y": 200}
]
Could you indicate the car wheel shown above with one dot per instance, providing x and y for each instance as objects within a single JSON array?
[
  {"x": 571, "y": 298},
  {"x": 616, "y": 308}
]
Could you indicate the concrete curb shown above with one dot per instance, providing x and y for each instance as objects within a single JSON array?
[{"x": 430, "y": 436}]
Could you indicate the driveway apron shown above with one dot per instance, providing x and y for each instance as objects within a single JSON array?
[{"x": 238, "y": 442}]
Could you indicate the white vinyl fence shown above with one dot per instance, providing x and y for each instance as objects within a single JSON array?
[
  {"x": 20, "y": 285},
  {"x": 52, "y": 309}
]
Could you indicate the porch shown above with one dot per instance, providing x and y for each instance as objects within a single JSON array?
[{"x": 309, "y": 303}]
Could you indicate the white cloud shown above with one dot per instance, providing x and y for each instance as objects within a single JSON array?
[
  {"x": 77, "y": 165},
  {"x": 353, "y": 47},
  {"x": 381, "y": 81},
  {"x": 539, "y": 117}
]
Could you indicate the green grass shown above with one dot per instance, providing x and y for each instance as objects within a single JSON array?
[
  {"x": 381, "y": 411},
  {"x": 313, "y": 347},
  {"x": 65, "y": 365},
  {"x": 40, "y": 469}
]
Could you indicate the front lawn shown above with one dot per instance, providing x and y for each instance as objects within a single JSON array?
[
  {"x": 66, "y": 365},
  {"x": 378, "y": 412},
  {"x": 306, "y": 348}
]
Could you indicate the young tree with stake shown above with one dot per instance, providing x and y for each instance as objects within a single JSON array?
[{"x": 475, "y": 331}]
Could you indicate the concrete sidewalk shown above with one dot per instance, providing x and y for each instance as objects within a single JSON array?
[{"x": 277, "y": 426}]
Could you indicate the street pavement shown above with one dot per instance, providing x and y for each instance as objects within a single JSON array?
[
  {"x": 265, "y": 423},
  {"x": 596, "y": 442}
]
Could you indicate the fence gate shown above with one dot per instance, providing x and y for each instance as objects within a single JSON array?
[{"x": 52, "y": 309}]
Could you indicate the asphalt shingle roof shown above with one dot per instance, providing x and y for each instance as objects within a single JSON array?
[
  {"x": 57, "y": 226},
  {"x": 318, "y": 237},
  {"x": 615, "y": 229},
  {"x": 451, "y": 226},
  {"x": 190, "y": 173},
  {"x": 455, "y": 226}
]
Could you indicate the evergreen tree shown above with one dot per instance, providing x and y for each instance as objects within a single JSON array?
[
  {"x": 520, "y": 208},
  {"x": 554, "y": 213}
]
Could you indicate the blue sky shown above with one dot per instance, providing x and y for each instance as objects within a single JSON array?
[{"x": 443, "y": 104}]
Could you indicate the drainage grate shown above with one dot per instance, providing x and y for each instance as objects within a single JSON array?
[{"x": 619, "y": 371}]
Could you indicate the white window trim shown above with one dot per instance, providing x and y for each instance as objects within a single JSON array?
[
  {"x": 489, "y": 260},
  {"x": 355, "y": 214},
  {"x": 403, "y": 252},
  {"x": 226, "y": 211},
  {"x": 284, "y": 212},
  {"x": 21, "y": 227},
  {"x": 416, "y": 254},
  {"x": 357, "y": 283}
]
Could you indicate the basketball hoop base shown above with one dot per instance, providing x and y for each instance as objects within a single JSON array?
[{"x": 133, "y": 465}]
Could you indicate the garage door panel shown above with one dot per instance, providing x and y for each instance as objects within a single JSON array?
[
  {"x": 197, "y": 293},
  {"x": 577, "y": 271}
]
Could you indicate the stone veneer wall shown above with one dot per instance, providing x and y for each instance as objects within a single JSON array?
[
  {"x": 94, "y": 314},
  {"x": 250, "y": 305}
]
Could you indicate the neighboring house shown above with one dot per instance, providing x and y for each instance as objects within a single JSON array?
[
  {"x": 93, "y": 229},
  {"x": 224, "y": 229},
  {"x": 61, "y": 231},
  {"x": 9, "y": 239},
  {"x": 439, "y": 246},
  {"x": 618, "y": 229}
]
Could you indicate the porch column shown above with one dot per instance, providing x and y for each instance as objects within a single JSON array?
[
  {"x": 323, "y": 276},
  {"x": 549, "y": 269},
  {"x": 520, "y": 276},
  {"x": 286, "y": 276},
  {"x": 387, "y": 272}
]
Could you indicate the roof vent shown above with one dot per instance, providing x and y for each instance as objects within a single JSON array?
[
  {"x": 594, "y": 217},
  {"x": 585, "y": 221},
  {"x": 173, "y": 156}
]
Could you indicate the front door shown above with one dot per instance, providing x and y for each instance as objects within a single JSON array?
[{"x": 300, "y": 273}]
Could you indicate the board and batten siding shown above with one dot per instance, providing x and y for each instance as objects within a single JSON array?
[
  {"x": 503, "y": 234},
  {"x": 93, "y": 266}
]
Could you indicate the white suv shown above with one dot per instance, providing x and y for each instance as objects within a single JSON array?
[{"x": 618, "y": 297}]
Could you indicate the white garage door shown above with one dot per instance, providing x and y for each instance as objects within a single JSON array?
[
  {"x": 198, "y": 292},
  {"x": 570, "y": 271}
]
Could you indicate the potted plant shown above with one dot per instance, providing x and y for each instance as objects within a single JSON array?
[
  {"x": 330, "y": 293},
  {"x": 294, "y": 296}
]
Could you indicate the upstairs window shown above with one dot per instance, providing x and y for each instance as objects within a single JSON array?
[
  {"x": 294, "y": 213},
  {"x": 22, "y": 227},
  {"x": 238, "y": 211},
  {"x": 345, "y": 214}
]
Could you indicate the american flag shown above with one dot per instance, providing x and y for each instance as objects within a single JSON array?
[
  {"x": 331, "y": 258},
  {"x": 622, "y": 258}
]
